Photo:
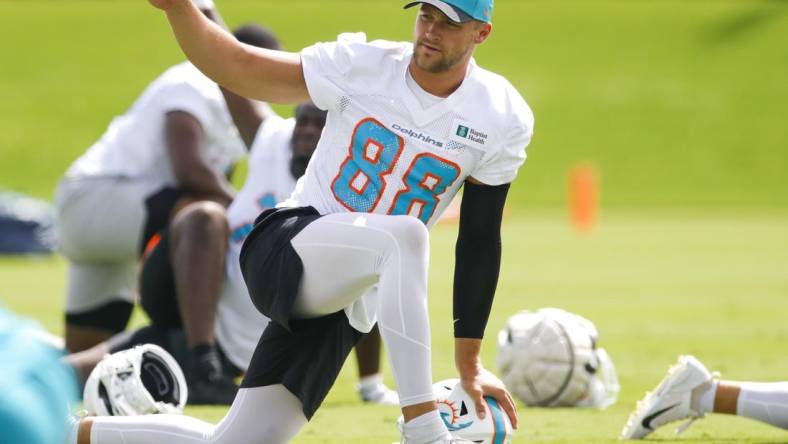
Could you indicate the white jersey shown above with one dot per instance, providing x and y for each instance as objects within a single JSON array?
[
  {"x": 388, "y": 150},
  {"x": 381, "y": 151},
  {"x": 269, "y": 181},
  {"x": 134, "y": 144}
]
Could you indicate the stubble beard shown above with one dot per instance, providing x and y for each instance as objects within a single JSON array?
[{"x": 443, "y": 63}]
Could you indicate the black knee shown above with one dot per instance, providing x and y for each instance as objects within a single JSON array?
[{"x": 200, "y": 221}]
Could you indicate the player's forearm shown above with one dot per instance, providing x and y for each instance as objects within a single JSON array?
[
  {"x": 214, "y": 16},
  {"x": 207, "y": 184},
  {"x": 205, "y": 43},
  {"x": 272, "y": 76},
  {"x": 477, "y": 258},
  {"x": 467, "y": 357},
  {"x": 246, "y": 116}
]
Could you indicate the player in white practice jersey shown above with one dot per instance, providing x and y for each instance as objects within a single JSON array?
[
  {"x": 408, "y": 124},
  {"x": 174, "y": 146}
]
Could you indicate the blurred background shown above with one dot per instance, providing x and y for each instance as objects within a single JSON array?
[
  {"x": 674, "y": 111},
  {"x": 678, "y": 103}
]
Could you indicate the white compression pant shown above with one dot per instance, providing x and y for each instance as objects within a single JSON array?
[
  {"x": 385, "y": 260},
  {"x": 259, "y": 415},
  {"x": 767, "y": 402}
]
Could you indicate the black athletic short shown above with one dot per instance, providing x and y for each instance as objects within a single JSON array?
[
  {"x": 304, "y": 355},
  {"x": 158, "y": 208},
  {"x": 157, "y": 285}
]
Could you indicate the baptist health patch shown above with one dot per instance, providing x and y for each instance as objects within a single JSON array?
[{"x": 467, "y": 134}]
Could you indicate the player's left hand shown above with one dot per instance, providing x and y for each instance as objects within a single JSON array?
[{"x": 483, "y": 383}]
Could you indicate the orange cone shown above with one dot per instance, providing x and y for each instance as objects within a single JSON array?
[{"x": 584, "y": 197}]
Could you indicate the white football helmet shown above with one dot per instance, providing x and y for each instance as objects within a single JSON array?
[
  {"x": 139, "y": 381},
  {"x": 549, "y": 358},
  {"x": 457, "y": 410}
]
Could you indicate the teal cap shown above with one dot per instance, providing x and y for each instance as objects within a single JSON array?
[{"x": 462, "y": 10}]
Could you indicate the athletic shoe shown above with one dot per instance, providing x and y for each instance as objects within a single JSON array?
[
  {"x": 209, "y": 383},
  {"x": 676, "y": 397},
  {"x": 378, "y": 394},
  {"x": 218, "y": 391}
]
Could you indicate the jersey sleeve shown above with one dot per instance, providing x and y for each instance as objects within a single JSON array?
[
  {"x": 501, "y": 167},
  {"x": 327, "y": 67},
  {"x": 186, "y": 98}
]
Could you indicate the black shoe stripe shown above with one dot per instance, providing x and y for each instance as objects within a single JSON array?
[{"x": 647, "y": 420}]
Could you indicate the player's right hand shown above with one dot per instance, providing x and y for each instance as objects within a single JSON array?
[{"x": 483, "y": 384}]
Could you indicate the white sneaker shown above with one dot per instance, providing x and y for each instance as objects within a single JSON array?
[
  {"x": 676, "y": 397},
  {"x": 378, "y": 394}
]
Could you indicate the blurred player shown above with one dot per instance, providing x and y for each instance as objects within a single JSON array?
[
  {"x": 689, "y": 392},
  {"x": 279, "y": 155},
  {"x": 174, "y": 146},
  {"x": 35, "y": 387},
  {"x": 408, "y": 125}
]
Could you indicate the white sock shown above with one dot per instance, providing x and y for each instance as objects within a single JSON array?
[
  {"x": 426, "y": 428},
  {"x": 767, "y": 402},
  {"x": 370, "y": 382},
  {"x": 707, "y": 398}
]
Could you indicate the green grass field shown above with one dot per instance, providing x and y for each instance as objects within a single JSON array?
[
  {"x": 657, "y": 285},
  {"x": 680, "y": 104}
]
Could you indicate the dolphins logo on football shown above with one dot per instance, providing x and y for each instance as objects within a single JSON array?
[{"x": 451, "y": 416}]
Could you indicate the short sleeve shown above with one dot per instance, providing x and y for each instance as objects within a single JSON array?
[
  {"x": 186, "y": 98},
  {"x": 502, "y": 166},
  {"x": 326, "y": 66}
]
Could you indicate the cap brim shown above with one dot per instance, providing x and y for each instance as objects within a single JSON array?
[{"x": 453, "y": 13}]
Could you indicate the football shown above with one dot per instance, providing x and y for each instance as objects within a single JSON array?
[
  {"x": 550, "y": 358},
  {"x": 457, "y": 410}
]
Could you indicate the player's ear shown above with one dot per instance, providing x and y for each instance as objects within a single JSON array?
[{"x": 483, "y": 31}]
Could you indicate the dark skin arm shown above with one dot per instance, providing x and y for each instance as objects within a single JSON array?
[
  {"x": 246, "y": 116},
  {"x": 183, "y": 134}
]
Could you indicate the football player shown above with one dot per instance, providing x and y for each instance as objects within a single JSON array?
[
  {"x": 214, "y": 339},
  {"x": 174, "y": 146},
  {"x": 689, "y": 391},
  {"x": 408, "y": 124}
]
